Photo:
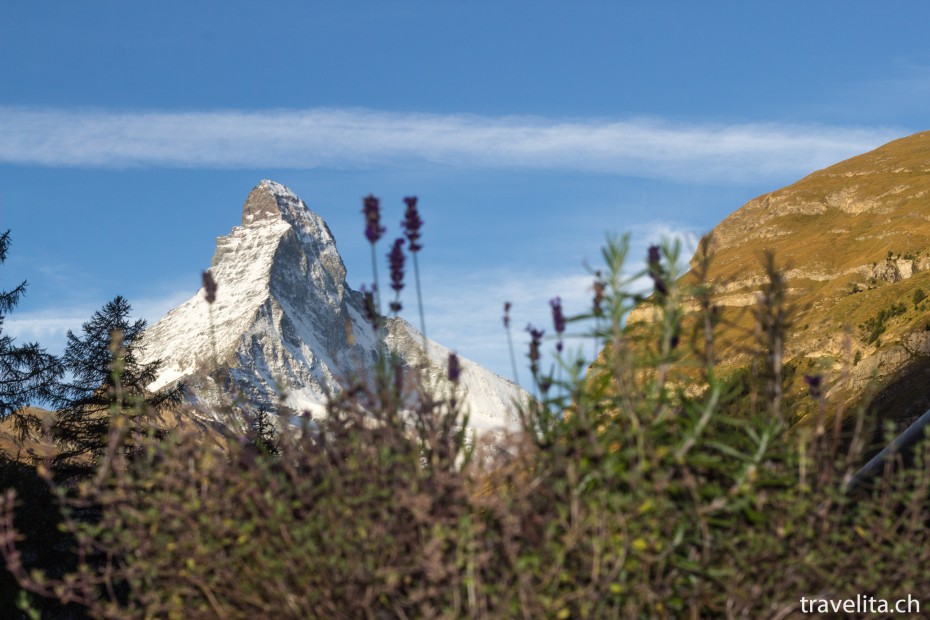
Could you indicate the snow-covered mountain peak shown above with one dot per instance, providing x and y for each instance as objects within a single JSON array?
[
  {"x": 272, "y": 201},
  {"x": 284, "y": 319},
  {"x": 273, "y": 210}
]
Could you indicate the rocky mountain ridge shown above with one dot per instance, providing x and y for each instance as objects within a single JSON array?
[{"x": 285, "y": 324}]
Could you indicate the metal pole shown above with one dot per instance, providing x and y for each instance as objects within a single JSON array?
[{"x": 902, "y": 444}]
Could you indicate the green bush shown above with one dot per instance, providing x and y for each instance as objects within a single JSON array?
[
  {"x": 651, "y": 486},
  {"x": 875, "y": 326},
  {"x": 919, "y": 296}
]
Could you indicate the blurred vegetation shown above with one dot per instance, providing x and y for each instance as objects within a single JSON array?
[{"x": 646, "y": 483}]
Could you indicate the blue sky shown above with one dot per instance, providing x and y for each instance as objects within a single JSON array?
[{"x": 131, "y": 133}]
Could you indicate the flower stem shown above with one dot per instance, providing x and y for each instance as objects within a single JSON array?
[
  {"x": 513, "y": 358},
  {"x": 416, "y": 276},
  {"x": 374, "y": 272}
]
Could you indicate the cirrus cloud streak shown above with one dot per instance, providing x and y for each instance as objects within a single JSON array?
[{"x": 361, "y": 138}]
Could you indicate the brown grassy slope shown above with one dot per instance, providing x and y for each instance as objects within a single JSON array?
[
  {"x": 862, "y": 224},
  {"x": 11, "y": 443},
  {"x": 13, "y": 446}
]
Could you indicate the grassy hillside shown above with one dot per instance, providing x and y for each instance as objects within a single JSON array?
[{"x": 853, "y": 241}]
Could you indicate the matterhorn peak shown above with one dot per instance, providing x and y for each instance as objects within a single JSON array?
[
  {"x": 286, "y": 324},
  {"x": 272, "y": 201}
]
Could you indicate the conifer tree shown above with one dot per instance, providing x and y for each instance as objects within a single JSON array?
[
  {"x": 27, "y": 372},
  {"x": 106, "y": 380},
  {"x": 262, "y": 434}
]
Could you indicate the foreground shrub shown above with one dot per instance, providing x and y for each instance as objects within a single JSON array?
[{"x": 649, "y": 487}]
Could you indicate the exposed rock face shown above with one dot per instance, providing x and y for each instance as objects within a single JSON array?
[
  {"x": 285, "y": 321},
  {"x": 853, "y": 240}
]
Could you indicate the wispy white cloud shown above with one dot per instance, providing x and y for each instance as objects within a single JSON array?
[
  {"x": 351, "y": 138},
  {"x": 45, "y": 326},
  {"x": 49, "y": 326}
]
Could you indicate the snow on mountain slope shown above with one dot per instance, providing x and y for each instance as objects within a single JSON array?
[{"x": 284, "y": 319}]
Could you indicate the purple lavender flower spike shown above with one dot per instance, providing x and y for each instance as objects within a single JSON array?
[
  {"x": 656, "y": 271},
  {"x": 396, "y": 262},
  {"x": 599, "y": 287},
  {"x": 653, "y": 255},
  {"x": 813, "y": 383},
  {"x": 372, "y": 210},
  {"x": 371, "y": 311},
  {"x": 535, "y": 341},
  {"x": 412, "y": 224},
  {"x": 455, "y": 368},
  {"x": 209, "y": 287}
]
